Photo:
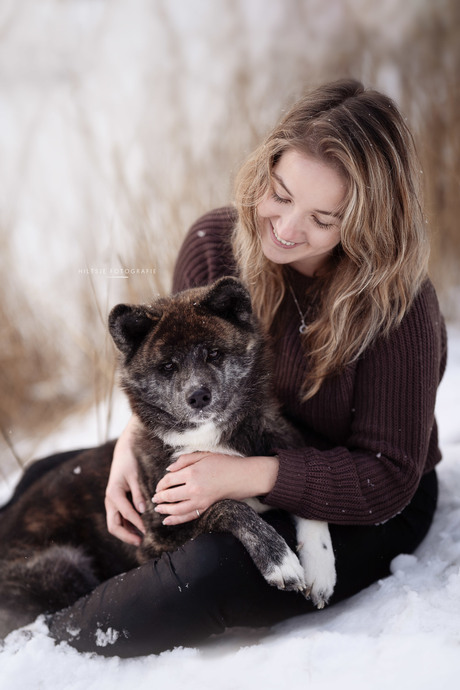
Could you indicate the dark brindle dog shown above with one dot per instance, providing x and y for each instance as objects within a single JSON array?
[{"x": 195, "y": 368}]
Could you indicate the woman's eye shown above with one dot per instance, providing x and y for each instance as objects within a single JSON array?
[
  {"x": 322, "y": 225},
  {"x": 279, "y": 199}
]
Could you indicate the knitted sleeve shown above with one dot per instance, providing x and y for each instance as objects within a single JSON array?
[{"x": 373, "y": 476}]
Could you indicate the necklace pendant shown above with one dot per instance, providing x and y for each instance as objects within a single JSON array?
[{"x": 303, "y": 328}]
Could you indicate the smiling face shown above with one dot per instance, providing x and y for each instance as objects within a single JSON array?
[{"x": 299, "y": 220}]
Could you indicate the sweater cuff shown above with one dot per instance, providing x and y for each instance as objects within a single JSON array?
[{"x": 288, "y": 492}]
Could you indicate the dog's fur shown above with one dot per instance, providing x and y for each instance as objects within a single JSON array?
[{"x": 195, "y": 368}]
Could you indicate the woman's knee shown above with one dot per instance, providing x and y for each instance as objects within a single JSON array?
[{"x": 213, "y": 561}]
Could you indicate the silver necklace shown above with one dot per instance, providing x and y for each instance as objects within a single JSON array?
[{"x": 303, "y": 326}]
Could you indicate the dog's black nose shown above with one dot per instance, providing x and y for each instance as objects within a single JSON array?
[{"x": 199, "y": 398}]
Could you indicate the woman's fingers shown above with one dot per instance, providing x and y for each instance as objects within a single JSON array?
[
  {"x": 137, "y": 497},
  {"x": 172, "y": 495},
  {"x": 124, "y": 530},
  {"x": 171, "y": 479},
  {"x": 178, "y": 518},
  {"x": 123, "y": 521},
  {"x": 182, "y": 469}
]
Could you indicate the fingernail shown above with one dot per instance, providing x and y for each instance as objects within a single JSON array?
[{"x": 141, "y": 507}]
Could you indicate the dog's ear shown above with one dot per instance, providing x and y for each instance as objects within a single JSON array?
[
  {"x": 129, "y": 325},
  {"x": 229, "y": 299}
]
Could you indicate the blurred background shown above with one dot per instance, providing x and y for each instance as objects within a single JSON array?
[{"x": 122, "y": 121}]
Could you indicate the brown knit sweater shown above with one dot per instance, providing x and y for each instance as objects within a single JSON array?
[{"x": 370, "y": 432}]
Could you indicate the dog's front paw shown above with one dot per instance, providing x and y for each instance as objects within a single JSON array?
[
  {"x": 317, "y": 559},
  {"x": 288, "y": 574},
  {"x": 319, "y": 594}
]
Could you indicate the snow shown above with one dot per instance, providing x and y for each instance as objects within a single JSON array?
[
  {"x": 73, "y": 79},
  {"x": 402, "y": 632}
]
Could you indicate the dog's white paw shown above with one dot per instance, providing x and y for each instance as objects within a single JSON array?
[
  {"x": 289, "y": 574},
  {"x": 317, "y": 559}
]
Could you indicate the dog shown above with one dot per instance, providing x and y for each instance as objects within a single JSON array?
[{"x": 196, "y": 370}]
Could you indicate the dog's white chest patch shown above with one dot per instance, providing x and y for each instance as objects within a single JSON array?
[{"x": 205, "y": 438}]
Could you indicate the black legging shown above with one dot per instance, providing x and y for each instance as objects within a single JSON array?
[{"x": 211, "y": 584}]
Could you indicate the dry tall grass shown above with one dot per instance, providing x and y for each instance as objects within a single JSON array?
[{"x": 54, "y": 364}]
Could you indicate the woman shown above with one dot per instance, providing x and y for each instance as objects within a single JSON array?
[{"x": 329, "y": 235}]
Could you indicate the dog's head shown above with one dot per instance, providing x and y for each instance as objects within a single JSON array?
[{"x": 189, "y": 359}]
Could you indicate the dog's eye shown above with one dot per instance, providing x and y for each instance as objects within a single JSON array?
[
  {"x": 167, "y": 367},
  {"x": 214, "y": 355}
]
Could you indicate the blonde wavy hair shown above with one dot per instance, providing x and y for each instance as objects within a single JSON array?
[{"x": 382, "y": 257}]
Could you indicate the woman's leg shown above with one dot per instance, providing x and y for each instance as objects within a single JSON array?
[
  {"x": 179, "y": 599},
  {"x": 364, "y": 554},
  {"x": 211, "y": 584}
]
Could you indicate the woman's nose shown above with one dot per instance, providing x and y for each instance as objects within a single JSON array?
[{"x": 286, "y": 227}]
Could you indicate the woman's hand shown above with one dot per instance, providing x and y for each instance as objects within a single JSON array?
[
  {"x": 123, "y": 520},
  {"x": 197, "y": 480}
]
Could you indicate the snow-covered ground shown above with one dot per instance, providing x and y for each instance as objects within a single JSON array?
[
  {"x": 401, "y": 633},
  {"x": 85, "y": 85}
]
